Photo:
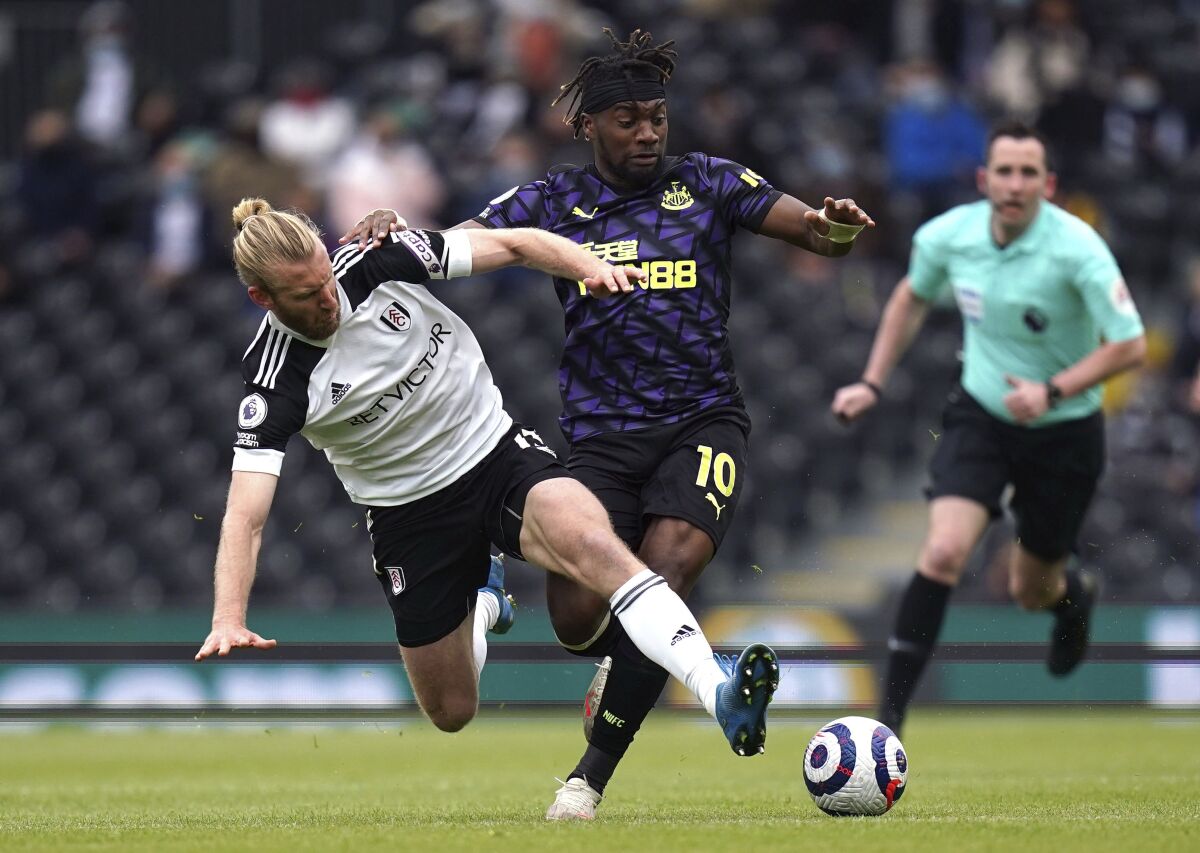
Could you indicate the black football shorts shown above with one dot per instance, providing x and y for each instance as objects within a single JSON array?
[
  {"x": 693, "y": 469},
  {"x": 1053, "y": 469},
  {"x": 432, "y": 555}
]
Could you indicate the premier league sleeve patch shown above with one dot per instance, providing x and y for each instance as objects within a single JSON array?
[{"x": 252, "y": 411}]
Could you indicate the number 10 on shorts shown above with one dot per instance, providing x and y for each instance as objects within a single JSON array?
[{"x": 721, "y": 468}]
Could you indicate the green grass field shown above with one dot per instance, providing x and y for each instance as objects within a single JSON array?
[{"x": 1062, "y": 780}]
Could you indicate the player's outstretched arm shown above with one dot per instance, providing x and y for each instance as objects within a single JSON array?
[
  {"x": 494, "y": 248},
  {"x": 372, "y": 228},
  {"x": 250, "y": 497},
  {"x": 830, "y": 231},
  {"x": 902, "y": 319}
]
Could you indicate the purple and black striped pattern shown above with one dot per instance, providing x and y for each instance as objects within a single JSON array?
[{"x": 662, "y": 353}]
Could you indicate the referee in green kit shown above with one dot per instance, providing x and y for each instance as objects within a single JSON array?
[{"x": 1046, "y": 318}]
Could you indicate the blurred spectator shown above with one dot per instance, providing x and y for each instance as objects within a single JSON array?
[
  {"x": 106, "y": 102},
  {"x": 1141, "y": 131},
  {"x": 384, "y": 167},
  {"x": 56, "y": 189},
  {"x": 101, "y": 85},
  {"x": 933, "y": 138},
  {"x": 1034, "y": 65},
  {"x": 514, "y": 158},
  {"x": 241, "y": 168},
  {"x": 933, "y": 141},
  {"x": 177, "y": 216},
  {"x": 156, "y": 121},
  {"x": 307, "y": 124},
  {"x": 1184, "y": 373}
]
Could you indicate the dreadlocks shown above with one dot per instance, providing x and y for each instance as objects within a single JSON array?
[{"x": 633, "y": 70}]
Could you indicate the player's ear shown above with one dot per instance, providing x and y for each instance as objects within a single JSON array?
[
  {"x": 981, "y": 179},
  {"x": 588, "y": 127},
  {"x": 1051, "y": 185},
  {"x": 260, "y": 298}
]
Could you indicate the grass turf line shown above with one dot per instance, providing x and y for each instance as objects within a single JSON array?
[{"x": 980, "y": 780}]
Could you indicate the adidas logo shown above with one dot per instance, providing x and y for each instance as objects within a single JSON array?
[
  {"x": 685, "y": 631},
  {"x": 338, "y": 390}
]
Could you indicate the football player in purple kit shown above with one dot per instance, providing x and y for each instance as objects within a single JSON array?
[{"x": 651, "y": 405}]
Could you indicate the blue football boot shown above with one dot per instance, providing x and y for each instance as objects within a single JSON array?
[
  {"x": 495, "y": 586},
  {"x": 742, "y": 700}
]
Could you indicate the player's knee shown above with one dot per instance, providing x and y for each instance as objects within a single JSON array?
[
  {"x": 576, "y": 623},
  {"x": 1028, "y": 595},
  {"x": 681, "y": 572},
  {"x": 452, "y": 713},
  {"x": 943, "y": 560}
]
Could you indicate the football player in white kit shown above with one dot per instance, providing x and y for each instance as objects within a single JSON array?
[{"x": 357, "y": 355}]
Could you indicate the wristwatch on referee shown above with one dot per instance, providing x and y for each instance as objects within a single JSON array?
[{"x": 1054, "y": 394}]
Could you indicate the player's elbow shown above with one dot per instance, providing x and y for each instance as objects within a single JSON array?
[{"x": 1133, "y": 352}]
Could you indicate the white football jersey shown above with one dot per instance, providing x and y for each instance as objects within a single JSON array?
[{"x": 399, "y": 397}]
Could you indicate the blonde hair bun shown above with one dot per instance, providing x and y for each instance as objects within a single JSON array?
[{"x": 248, "y": 207}]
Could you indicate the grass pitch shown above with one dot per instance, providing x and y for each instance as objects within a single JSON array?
[{"x": 1062, "y": 780}]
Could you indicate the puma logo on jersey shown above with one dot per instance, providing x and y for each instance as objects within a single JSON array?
[
  {"x": 713, "y": 501},
  {"x": 337, "y": 391},
  {"x": 583, "y": 215}
]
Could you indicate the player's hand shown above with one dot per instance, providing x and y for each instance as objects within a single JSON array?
[
  {"x": 372, "y": 228},
  {"x": 853, "y": 401},
  {"x": 227, "y": 635},
  {"x": 843, "y": 210},
  {"x": 613, "y": 280},
  {"x": 1028, "y": 400}
]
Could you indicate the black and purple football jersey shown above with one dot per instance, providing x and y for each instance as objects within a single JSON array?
[{"x": 661, "y": 353}]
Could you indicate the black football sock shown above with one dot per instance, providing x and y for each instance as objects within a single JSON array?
[
  {"x": 596, "y": 768},
  {"x": 918, "y": 623},
  {"x": 633, "y": 687}
]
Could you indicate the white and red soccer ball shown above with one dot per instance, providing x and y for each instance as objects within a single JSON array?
[{"x": 855, "y": 766}]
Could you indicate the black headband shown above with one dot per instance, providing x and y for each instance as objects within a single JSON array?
[{"x": 600, "y": 96}]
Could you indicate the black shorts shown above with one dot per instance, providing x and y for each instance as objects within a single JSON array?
[
  {"x": 1053, "y": 470},
  {"x": 432, "y": 555},
  {"x": 693, "y": 470}
]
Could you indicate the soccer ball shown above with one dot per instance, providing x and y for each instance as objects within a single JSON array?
[{"x": 855, "y": 766}]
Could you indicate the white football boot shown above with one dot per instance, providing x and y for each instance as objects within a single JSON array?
[{"x": 575, "y": 800}]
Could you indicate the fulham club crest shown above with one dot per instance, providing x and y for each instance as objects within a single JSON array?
[
  {"x": 396, "y": 317},
  {"x": 396, "y": 576}
]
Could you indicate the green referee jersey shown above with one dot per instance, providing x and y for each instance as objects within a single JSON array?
[{"x": 1029, "y": 309}]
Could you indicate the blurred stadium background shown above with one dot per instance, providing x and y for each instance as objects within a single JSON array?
[{"x": 129, "y": 129}]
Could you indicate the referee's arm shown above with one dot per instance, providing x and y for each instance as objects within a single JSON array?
[
  {"x": 903, "y": 317},
  {"x": 1102, "y": 363}
]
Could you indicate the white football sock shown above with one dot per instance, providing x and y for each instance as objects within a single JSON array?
[
  {"x": 487, "y": 611},
  {"x": 663, "y": 627}
]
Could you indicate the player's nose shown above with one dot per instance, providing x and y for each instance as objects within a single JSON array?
[{"x": 646, "y": 133}]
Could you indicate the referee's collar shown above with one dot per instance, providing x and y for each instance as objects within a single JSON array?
[{"x": 1029, "y": 238}]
